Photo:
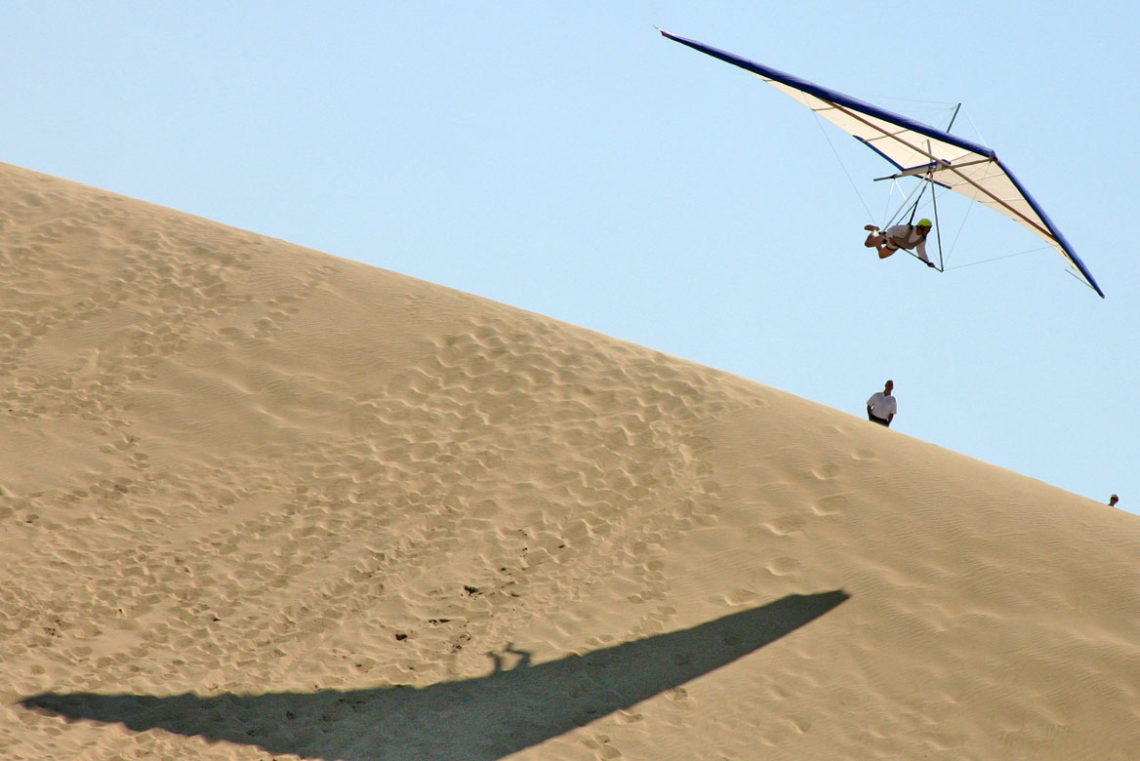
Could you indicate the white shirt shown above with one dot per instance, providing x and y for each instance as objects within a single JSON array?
[
  {"x": 882, "y": 406},
  {"x": 905, "y": 236}
]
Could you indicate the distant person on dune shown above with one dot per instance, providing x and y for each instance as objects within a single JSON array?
[
  {"x": 881, "y": 407},
  {"x": 1113, "y": 500}
]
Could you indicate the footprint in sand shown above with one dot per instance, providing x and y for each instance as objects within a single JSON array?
[
  {"x": 833, "y": 504},
  {"x": 783, "y": 566}
]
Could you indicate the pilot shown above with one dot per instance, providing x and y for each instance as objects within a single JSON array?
[{"x": 910, "y": 237}]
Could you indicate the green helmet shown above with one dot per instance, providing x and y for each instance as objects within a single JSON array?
[{"x": 924, "y": 223}]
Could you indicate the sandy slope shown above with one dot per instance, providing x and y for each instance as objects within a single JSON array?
[{"x": 257, "y": 501}]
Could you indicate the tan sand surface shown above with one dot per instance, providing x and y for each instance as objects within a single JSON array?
[{"x": 261, "y": 502}]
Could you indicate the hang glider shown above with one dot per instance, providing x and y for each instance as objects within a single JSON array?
[{"x": 918, "y": 150}]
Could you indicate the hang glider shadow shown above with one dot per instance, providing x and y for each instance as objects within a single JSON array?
[{"x": 481, "y": 719}]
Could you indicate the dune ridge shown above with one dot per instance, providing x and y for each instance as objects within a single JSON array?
[{"x": 237, "y": 469}]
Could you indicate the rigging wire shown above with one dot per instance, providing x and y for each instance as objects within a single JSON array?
[
  {"x": 999, "y": 258},
  {"x": 843, "y": 166},
  {"x": 898, "y": 213},
  {"x": 969, "y": 208},
  {"x": 937, "y": 228}
]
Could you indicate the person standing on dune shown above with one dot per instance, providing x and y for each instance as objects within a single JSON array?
[{"x": 881, "y": 407}]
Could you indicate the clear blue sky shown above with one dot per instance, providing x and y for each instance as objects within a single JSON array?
[{"x": 564, "y": 158}]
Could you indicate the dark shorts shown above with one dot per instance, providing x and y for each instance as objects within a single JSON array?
[{"x": 878, "y": 420}]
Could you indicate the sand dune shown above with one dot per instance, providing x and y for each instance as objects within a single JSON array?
[{"x": 260, "y": 502}]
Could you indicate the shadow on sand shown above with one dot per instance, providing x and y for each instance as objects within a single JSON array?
[{"x": 480, "y": 719}]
